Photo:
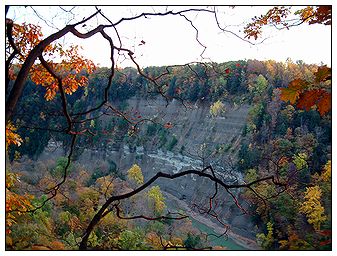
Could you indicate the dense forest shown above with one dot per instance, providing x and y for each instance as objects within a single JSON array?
[{"x": 76, "y": 171}]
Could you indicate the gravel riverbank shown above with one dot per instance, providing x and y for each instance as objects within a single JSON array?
[{"x": 246, "y": 243}]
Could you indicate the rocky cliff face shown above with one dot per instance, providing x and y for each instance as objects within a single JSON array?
[
  {"x": 193, "y": 124},
  {"x": 197, "y": 136}
]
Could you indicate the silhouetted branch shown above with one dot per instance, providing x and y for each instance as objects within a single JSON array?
[
  {"x": 62, "y": 94},
  {"x": 148, "y": 14},
  {"x": 202, "y": 173},
  {"x": 196, "y": 35},
  {"x": 49, "y": 24},
  {"x": 53, "y": 191},
  {"x": 169, "y": 216},
  {"x": 233, "y": 33}
]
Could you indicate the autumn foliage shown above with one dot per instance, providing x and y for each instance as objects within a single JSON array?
[
  {"x": 312, "y": 207},
  {"x": 12, "y": 138},
  {"x": 276, "y": 16},
  {"x": 279, "y": 17},
  {"x": 316, "y": 15},
  {"x": 16, "y": 204},
  {"x": 309, "y": 94},
  {"x": 66, "y": 64}
]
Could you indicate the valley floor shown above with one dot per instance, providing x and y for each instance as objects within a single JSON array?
[{"x": 241, "y": 241}]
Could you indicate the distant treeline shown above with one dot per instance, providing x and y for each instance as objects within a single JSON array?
[{"x": 241, "y": 81}]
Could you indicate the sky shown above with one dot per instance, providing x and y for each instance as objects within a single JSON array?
[{"x": 172, "y": 40}]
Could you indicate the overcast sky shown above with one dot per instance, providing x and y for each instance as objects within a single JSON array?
[{"x": 172, "y": 40}]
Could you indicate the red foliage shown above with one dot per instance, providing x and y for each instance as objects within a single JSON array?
[
  {"x": 168, "y": 125},
  {"x": 309, "y": 94}
]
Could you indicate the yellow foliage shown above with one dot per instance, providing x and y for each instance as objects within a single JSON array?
[
  {"x": 154, "y": 240},
  {"x": 135, "y": 174},
  {"x": 266, "y": 241},
  {"x": 312, "y": 207},
  {"x": 105, "y": 184},
  {"x": 89, "y": 198},
  {"x": 326, "y": 174},
  {"x": 251, "y": 175},
  {"x": 283, "y": 244},
  {"x": 300, "y": 161},
  {"x": 177, "y": 241},
  {"x": 11, "y": 136},
  {"x": 217, "y": 108},
  {"x": 157, "y": 197},
  {"x": 265, "y": 190},
  {"x": 306, "y": 13},
  {"x": 110, "y": 220},
  {"x": 270, "y": 231}
]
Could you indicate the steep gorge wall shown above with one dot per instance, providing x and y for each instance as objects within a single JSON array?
[
  {"x": 192, "y": 127},
  {"x": 192, "y": 124}
]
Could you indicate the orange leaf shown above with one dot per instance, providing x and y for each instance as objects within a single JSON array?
[
  {"x": 324, "y": 105},
  {"x": 57, "y": 245},
  {"x": 308, "y": 99},
  {"x": 293, "y": 91}
]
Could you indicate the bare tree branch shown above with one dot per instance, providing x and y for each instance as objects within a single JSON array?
[
  {"x": 148, "y": 14},
  {"x": 202, "y": 173},
  {"x": 169, "y": 216},
  {"x": 60, "y": 87}
]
